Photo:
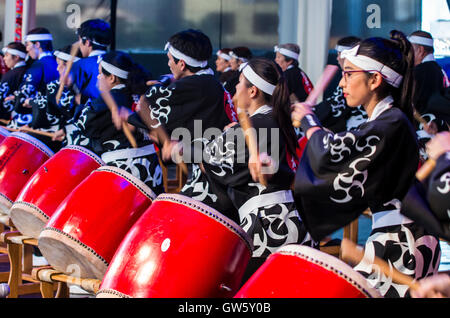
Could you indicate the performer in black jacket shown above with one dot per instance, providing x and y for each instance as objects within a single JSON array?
[
  {"x": 14, "y": 57},
  {"x": 341, "y": 175},
  {"x": 430, "y": 84}
]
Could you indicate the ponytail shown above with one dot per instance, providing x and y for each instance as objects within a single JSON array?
[
  {"x": 398, "y": 54},
  {"x": 406, "y": 90},
  {"x": 282, "y": 113},
  {"x": 138, "y": 76},
  {"x": 281, "y": 107}
]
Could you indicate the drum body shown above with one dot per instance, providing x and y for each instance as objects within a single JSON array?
[
  {"x": 49, "y": 186},
  {"x": 84, "y": 232},
  {"x": 180, "y": 248},
  {"x": 296, "y": 271},
  {"x": 20, "y": 156}
]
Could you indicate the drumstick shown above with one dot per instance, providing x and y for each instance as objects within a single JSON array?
[
  {"x": 350, "y": 252},
  {"x": 129, "y": 135},
  {"x": 250, "y": 140},
  {"x": 162, "y": 137},
  {"x": 73, "y": 52},
  {"x": 111, "y": 103},
  {"x": 319, "y": 88},
  {"x": 30, "y": 130},
  {"x": 425, "y": 170}
]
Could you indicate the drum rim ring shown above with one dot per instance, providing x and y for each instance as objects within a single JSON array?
[
  {"x": 112, "y": 292},
  {"x": 86, "y": 152},
  {"x": 368, "y": 291},
  {"x": 142, "y": 187},
  {"x": 33, "y": 141},
  {"x": 77, "y": 241},
  {"x": 4, "y": 200},
  {"x": 31, "y": 206}
]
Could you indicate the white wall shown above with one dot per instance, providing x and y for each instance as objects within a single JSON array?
[{"x": 307, "y": 23}]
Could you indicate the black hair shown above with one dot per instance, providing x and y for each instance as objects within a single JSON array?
[
  {"x": 291, "y": 47},
  {"x": 423, "y": 34},
  {"x": 398, "y": 54},
  {"x": 137, "y": 77},
  {"x": 281, "y": 107},
  {"x": 19, "y": 47},
  {"x": 96, "y": 30},
  {"x": 349, "y": 41},
  {"x": 225, "y": 50},
  {"x": 193, "y": 43},
  {"x": 46, "y": 46},
  {"x": 243, "y": 52}
]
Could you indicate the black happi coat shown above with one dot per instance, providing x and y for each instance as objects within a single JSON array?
[
  {"x": 428, "y": 203},
  {"x": 192, "y": 98},
  {"x": 298, "y": 82},
  {"x": 8, "y": 87},
  {"x": 340, "y": 175},
  {"x": 229, "y": 81},
  {"x": 99, "y": 134},
  {"x": 96, "y": 124},
  {"x": 337, "y": 116},
  {"x": 265, "y": 213},
  {"x": 429, "y": 94},
  {"x": 49, "y": 115},
  {"x": 34, "y": 85}
]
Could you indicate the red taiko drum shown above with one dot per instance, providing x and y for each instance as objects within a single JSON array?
[
  {"x": 20, "y": 156},
  {"x": 179, "y": 248},
  {"x": 88, "y": 226},
  {"x": 49, "y": 186},
  {"x": 296, "y": 271}
]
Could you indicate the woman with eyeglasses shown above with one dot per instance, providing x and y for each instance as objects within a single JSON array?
[
  {"x": 333, "y": 112},
  {"x": 343, "y": 174}
]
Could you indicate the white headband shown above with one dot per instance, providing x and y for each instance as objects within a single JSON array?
[
  {"x": 234, "y": 55},
  {"x": 226, "y": 57},
  {"x": 187, "y": 59},
  {"x": 371, "y": 65},
  {"x": 286, "y": 52},
  {"x": 18, "y": 53},
  {"x": 341, "y": 48},
  {"x": 421, "y": 40},
  {"x": 38, "y": 37},
  {"x": 114, "y": 70},
  {"x": 64, "y": 56},
  {"x": 257, "y": 80}
]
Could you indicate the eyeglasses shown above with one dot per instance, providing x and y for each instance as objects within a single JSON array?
[{"x": 347, "y": 74}]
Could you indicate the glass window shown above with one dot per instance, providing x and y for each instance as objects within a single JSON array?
[
  {"x": 368, "y": 18},
  {"x": 63, "y": 17},
  {"x": 145, "y": 25}
]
